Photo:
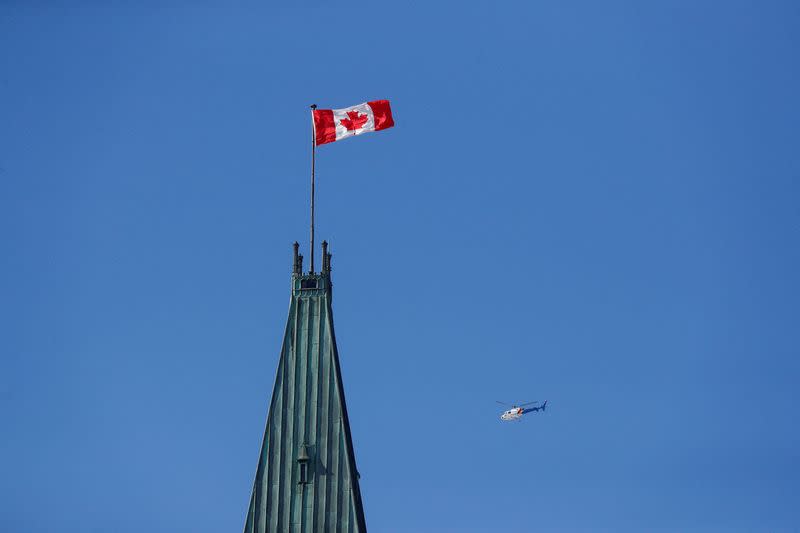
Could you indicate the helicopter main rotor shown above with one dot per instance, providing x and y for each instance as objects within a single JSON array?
[{"x": 515, "y": 406}]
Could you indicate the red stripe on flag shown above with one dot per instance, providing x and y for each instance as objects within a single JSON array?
[
  {"x": 324, "y": 127},
  {"x": 382, "y": 113}
]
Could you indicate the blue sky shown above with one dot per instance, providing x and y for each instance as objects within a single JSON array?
[{"x": 594, "y": 203}]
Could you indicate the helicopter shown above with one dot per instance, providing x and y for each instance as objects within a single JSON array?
[{"x": 516, "y": 411}]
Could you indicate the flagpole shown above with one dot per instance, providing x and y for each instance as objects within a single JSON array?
[{"x": 313, "y": 157}]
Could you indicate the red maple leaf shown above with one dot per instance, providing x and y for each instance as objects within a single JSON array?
[{"x": 354, "y": 120}]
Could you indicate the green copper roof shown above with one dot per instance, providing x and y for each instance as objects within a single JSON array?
[{"x": 306, "y": 480}]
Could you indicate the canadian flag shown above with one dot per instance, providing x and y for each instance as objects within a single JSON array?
[{"x": 335, "y": 124}]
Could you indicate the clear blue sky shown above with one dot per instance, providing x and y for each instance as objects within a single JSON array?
[{"x": 595, "y": 203}]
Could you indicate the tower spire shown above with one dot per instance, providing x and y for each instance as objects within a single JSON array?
[{"x": 306, "y": 479}]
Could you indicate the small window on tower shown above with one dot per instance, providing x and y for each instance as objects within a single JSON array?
[
  {"x": 308, "y": 284},
  {"x": 302, "y": 460}
]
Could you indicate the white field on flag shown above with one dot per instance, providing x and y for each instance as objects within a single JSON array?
[{"x": 353, "y": 120}]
